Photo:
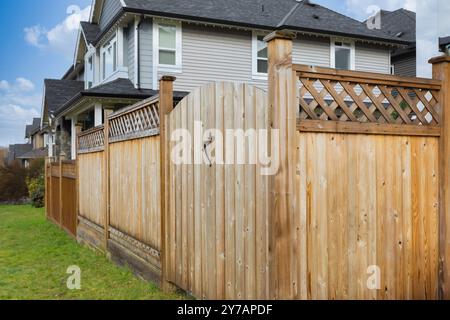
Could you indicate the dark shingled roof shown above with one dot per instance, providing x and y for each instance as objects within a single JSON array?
[
  {"x": 443, "y": 42},
  {"x": 17, "y": 150},
  {"x": 91, "y": 31},
  {"x": 58, "y": 92},
  {"x": 120, "y": 88},
  {"x": 34, "y": 154},
  {"x": 33, "y": 128},
  {"x": 400, "y": 23},
  {"x": 266, "y": 14}
]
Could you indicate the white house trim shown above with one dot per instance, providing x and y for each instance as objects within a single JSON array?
[
  {"x": 255, "y": 74},
  {"x": 157, "y": 68},
  {"x": 73, "y": 137},
  {"x": 351, "y": 46}
]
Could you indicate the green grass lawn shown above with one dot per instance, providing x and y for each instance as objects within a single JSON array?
[{"x": 35, "y": 255}]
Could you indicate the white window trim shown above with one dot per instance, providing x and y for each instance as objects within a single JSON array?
[
  {"x": 103, "y": 49},
  {"x": 255, "y": 74},
  {"x": 90, "y": 54},
  {"x": 178, "y": 67},
  {"x": 333, "y": 52}
]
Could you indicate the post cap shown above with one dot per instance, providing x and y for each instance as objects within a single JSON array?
[
  {"x": 168, "y": 78},
  {"x": 439, "y": 59},
  {"x": 280, "y": 34}
]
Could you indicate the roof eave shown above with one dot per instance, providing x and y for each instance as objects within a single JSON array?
[{"x": 348, "y": 35}]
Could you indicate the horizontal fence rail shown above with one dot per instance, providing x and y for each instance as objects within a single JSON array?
[
  {"x": 367, "y": 100},
  {"x": 92, "y": 140},
  {"x": 138, "y": 121}
]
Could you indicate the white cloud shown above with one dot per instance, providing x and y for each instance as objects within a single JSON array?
[
  {"x": 4, "y": 85},
  {"x": 25, "y": 84},
  {"x": 34, "y": 34},
  {"x": 19, "y": 104},
  {"x": 62, "y": 37}
]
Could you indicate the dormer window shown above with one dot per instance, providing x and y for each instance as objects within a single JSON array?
[
  {"x": 109, "y": 58},
  {"x": 342, "y": 54}
]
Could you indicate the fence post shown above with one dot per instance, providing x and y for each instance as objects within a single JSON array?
[
  {"x": 283, "y": 117},
  {"x": 61, "y": 159},
  {"x": 46, "y": 186},
  {"x": 107, "y": 113},
  {"x": 165, "y": 107},
  {"x": 441, "y": 71},
  {"x": 78, "y": 130}
]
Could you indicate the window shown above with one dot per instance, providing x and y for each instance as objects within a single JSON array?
[
  {"x": 260, "y": 57},
  {"x": 342, "y": 55},
  {"x": 109, "y": 58},
  {"x": 90, "y": 71},
  {"x": 167, "y": 45}
]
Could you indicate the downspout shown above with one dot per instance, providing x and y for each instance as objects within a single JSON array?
[{"x": 138, "y": 55}]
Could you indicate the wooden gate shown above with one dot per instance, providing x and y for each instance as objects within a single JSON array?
[{"x": 216, "y": 221}]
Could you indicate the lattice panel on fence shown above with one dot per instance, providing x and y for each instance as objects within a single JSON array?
[
  {"x": 92, "y": 140},
  {"x": 140, "y": 120},
  {"x": 362, "y": 100}
]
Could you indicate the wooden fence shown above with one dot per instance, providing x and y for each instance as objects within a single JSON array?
[
  {"x": 61, "y": 195},
  {"x": 356, "y": 210},
  {"x": 119, "y": 187}
]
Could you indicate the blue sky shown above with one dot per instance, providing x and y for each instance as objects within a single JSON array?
[{"x": 39, "y": 39}]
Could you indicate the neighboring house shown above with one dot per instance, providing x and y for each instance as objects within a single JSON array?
[
  {"x": 402, "y": 25},
  {"x": 39, "y": 139},
  {"x": 15, "y": 152},
  {"x": 444, "y": 45},
  {"x": 127, "y": 45}
]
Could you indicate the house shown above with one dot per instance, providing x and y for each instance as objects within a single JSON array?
[
  {"x": 35, "y": 148},
  {"x": 15, "y": 152},
  {"x": 39, "y": 139},
  {"x": 401, "y": 23},
  {"x": 444, "y": 45},
  {"x": 127, "y": 45}
]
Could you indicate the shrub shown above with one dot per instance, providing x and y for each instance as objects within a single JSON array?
[
  {"x": 13, "y": 187},
  {"x": 36, "y": 190}
]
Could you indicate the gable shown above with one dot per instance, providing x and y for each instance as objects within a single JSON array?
[{"x": 110, "y": 9}]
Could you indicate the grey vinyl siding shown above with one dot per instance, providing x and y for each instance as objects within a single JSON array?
[
  {"x": 109, "y": 10},
  {"x": 372, "y": 59},
  {"x": 214, "y": 54},
  {"x": 130, "y": 51},
  {"x": 146, "y": 54},
  {"x": 311, "y": 51},
  {"x": 125, "y": 47},
  {"x": 217, "y": 54},
  {"x": 405, "y": 66}
]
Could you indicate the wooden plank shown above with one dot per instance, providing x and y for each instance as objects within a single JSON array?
[
  {"x": 239, "y": 197},
  {"x": 230, "y": 212},
  {"x": 249, "y": 200},
  {"x": 198, "y": 281},
  {"x": 220, "y": 92},
  {"x": 191, "y": 199},
  {"x": 262, "y": 202},
  {"x": 367, "y": 128}
]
